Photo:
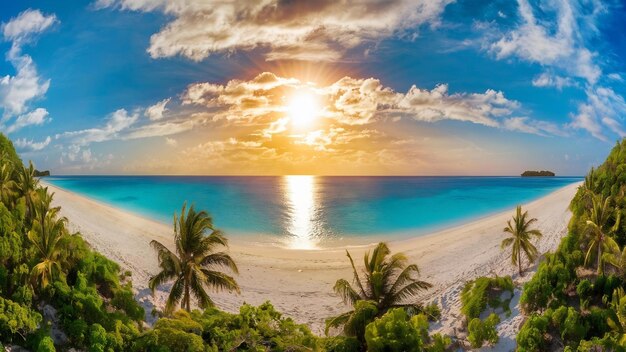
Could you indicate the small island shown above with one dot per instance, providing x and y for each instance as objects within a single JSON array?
[
  {"x": 44, "y": 173},
  {"x": 537, "y": 173}
]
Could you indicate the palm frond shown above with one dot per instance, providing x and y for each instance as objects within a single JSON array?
[{"x": 346, "y": 292}]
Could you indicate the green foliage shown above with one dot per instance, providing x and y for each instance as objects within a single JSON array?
[
  {"x": 483, "y": 331},
  {"x": 483, "y": 291},
  {"x": 394, "y": 332},
  {"x": 596, "y": 236},
  {"x": 432, "y": 311},
  {"x": 46, "y": 345},
  {"x": 97, "y": 338},
  {"x": 340, "y": 344},
  {"x": 253, "y": 328},
  {"x": 388, "y": 281},
  {"x": 8, "y": 151},
  {"x": 531, "y": 335},
  {"x": 16, "y": 319}
]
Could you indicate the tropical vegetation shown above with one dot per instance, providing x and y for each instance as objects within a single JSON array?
[
  {"x": 521, "y": 238},
  {"x": 575, "y": 300},
  {"x": 57, "y": 293},
  {"x": 193, "y": 265}
]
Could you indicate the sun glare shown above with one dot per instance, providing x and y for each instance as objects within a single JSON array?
[{"x": 302, "y": 109}]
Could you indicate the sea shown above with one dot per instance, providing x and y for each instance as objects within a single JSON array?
[{"x": 309, "y": 212}]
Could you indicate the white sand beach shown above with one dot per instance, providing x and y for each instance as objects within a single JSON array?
[{"x": 299, "y": 282}]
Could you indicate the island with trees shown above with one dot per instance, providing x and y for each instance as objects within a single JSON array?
[{"x": 542, "y": 173}]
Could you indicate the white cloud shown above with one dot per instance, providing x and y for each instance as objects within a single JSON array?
[
  {"x": 155, "y": 112},
  {"x": 26, "y": 25},
  {"x": 117, "y": 122},
  {"x": 603, "y": 108},
  {"x": 171, "y": 142},
  {"x": 437, "y": 104},
  {"x": 549, "y": 80},
  {"x": 527, "y": 125},
  {"x": 557, "y": 43},
  {"x": 17, "y": 91},
  {"x": 36, "y": 117},
  {"x": 313, "y": 30},
  {"x": 30, "y": 145},
  {"x": 356, "y": 101}
]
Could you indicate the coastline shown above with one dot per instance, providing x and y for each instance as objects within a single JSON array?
[{"x": 299, "y": 282}]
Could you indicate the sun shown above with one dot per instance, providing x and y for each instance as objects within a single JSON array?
[{"x": 303, "y": 109}]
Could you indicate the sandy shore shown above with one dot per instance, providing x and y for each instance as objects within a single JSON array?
[{"x": 299, "y": 282}]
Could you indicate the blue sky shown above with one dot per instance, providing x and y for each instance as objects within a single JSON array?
[{"x": 191, "y": 87}]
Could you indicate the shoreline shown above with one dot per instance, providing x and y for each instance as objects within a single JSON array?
[
  {"x": 299, "y": 281},
  {"x": 251, "y": 239}
]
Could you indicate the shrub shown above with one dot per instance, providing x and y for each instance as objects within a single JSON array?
[
  {"x": 46, "y": 345},
  {"x": 531, "y": 336},
  {"x": 97, "y": 338},
  {"x": 393, "y": 332},
  {"x": 483, "y": 291},
  {"x": 341, "y": 344},
  {"x": 16, "y": 319},
  {"x": 483, "y": 331}
]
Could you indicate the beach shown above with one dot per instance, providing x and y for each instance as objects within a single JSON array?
[{"x": 299, "y": 282}]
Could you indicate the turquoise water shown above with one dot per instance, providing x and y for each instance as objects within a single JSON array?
[{"x": 311, "y": 211}]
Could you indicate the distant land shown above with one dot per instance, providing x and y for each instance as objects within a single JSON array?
[
  {"x": 38, "y": 173},
  {"x": 538, "y": 173}
]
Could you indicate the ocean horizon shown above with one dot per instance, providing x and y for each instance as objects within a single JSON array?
[{"x": 307, "y": 212}]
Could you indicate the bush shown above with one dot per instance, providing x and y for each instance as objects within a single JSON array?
[
  {"x": 97, "y": 338},
  {"x": 483, "y": 291},
  {"x": 16, "y": 319},
  {"x": 531, "y": 335},
  {"x": 341, "y": 344},
  {"x": 46, "y": 345},
  {"x": 393, "y": 332},
  {"x": 483, "y": 331},
  {"x": 432, "y": 311}
]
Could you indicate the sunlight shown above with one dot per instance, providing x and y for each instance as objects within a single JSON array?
[
  {"x": 302, "y": 205},
  {"x": 303, "y": 108}
]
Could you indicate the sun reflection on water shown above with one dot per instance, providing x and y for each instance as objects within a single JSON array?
[{"x": 302, "y": 205}]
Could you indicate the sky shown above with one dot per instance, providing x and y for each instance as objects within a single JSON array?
[{"x": 272, "y": 87}]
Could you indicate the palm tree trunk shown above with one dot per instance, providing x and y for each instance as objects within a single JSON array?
[
  {"x": 600, "y": 257},
  {"x": 519, "y": 263},
  {"x": 187, "y": 298}
]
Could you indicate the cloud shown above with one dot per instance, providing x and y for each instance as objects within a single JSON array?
[
  {"x": 30, "y": 145},
  {"x": 155, "y": 112},
  {"x": 558, "y": 35},
  {"x": 17, "y": 91},
  {"x": 38, "y": 116},
  {"x": 558, "y": 43},
  {"x": 548, "y": 80},
  {"x": 603, "y": 108},
  {"x": 26, "y": 26},
  {"x": 527, "y": 125},
  {"x": 349, "y": 101},
  {"x": 307, "y": 30},
  {"x": 171, "y": 142},
  {"x": 117, "y": 122}
]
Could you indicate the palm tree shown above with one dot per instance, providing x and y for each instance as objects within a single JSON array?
[
  {"x": 7, "y": 184},
  {"x": 598, "y": 229},
  {"x": 520, "y": 238},
  {"x": 615, "y": 257},
  {"x": 46, "y": 235},
  {"x": 192, "y": 267},
  {"x": 27, "y": 185},
  {"x": 617, "y": 315},
  {"x": 388, "y": 282}
]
